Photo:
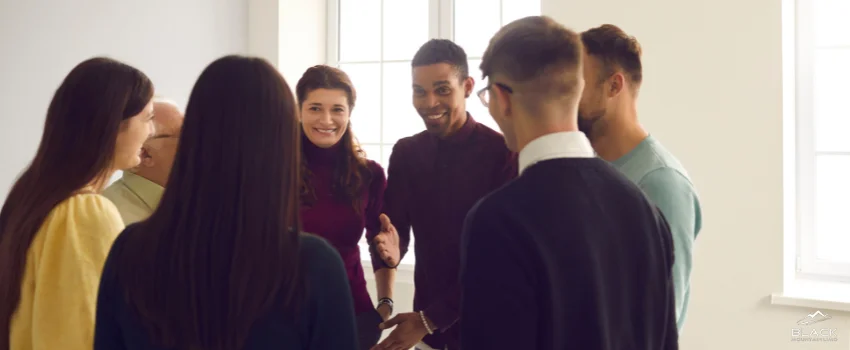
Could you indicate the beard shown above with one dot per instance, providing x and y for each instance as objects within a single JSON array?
[{"x": 587, "y": 121}]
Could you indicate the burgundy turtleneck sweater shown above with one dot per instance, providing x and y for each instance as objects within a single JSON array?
[{"x": 336, "y": 220}]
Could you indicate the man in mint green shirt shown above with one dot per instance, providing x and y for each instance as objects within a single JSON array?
[
  {"x": 139, "y": 190},
  {"x": 608, "y": 115}
]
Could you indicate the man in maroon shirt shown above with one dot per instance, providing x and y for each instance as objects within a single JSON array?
[{"x": 434, "y": 178}]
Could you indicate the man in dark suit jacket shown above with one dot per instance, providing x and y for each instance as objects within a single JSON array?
[{"x": 570, "y": 255}]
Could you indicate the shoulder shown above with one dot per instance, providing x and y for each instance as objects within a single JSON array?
[
  {"x": 666, "y": 179},
  {"x": 316, "y": 249},
  {"x": 409, "y": 142},
  {"x": 376, "y": 169},
  {"x": 90, "y": 208}
]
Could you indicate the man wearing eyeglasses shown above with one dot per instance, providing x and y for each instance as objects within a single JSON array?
[
  {"x": 571, "y": 254},
  {"x": 138, "y": 191},
  {"x": 434, "y": 177}
]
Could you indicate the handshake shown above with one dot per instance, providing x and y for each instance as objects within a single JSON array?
[{"x": 387, "y": 243}]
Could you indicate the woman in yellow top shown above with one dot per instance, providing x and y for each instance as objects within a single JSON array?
[{"x": 55, "y": 230}]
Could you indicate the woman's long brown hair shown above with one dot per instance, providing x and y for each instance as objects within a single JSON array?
[
  {"x": 351, "y": 174},
  {"x": 222, "y": 249},
  {"x": 77, "y": 148}
]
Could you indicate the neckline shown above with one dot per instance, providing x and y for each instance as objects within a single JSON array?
[{"x": 316, "y": 153}]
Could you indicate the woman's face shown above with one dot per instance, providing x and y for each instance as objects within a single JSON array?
[
  {"x": 134, "y": 132},
  {"x": 324, "y": 116}
]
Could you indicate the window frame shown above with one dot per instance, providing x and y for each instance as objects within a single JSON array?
[
  {"x": 441, "y": 24},
  {"x": 807, "y": 265}
]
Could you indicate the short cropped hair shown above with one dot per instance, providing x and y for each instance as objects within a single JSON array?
[
  {"x": 442, "y": 51},
  {"x": 616, "y": 50},
  {"x": 538, "y": 53}
]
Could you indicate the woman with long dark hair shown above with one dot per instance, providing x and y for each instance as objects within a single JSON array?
[
  {"x": 220, "y": 264},
  {"x": 55, "y": 229},
  {"x": 341, "y": 190}
]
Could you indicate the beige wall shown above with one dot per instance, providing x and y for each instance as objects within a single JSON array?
[{"x": 713, "y": 94}]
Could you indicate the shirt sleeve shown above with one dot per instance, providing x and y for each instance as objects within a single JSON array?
[
  {"x": 332, "y": 325},
  {"x": 674, "y": 195},
  {"x": 107, "y": 332},
  {"x": 395, "y": 205},
  {"x": 372, "y": 212},
  {"x": 492, "y": 261},
  {"x": 68, "y": 274}
]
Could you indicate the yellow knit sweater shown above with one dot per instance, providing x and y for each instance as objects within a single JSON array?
[{"x": 64, "y": 262}]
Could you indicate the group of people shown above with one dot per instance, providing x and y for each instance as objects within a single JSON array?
[{"x": 239, "y": 228}]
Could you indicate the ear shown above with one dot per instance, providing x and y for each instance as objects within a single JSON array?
[
  {"x": 618, "y": 83},
  {"x": 147, "y": 159},
  {"x": 502, "y": 99},
  {"x": 468, "y": 86}
]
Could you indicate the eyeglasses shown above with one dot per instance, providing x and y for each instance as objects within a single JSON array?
[{"x": 484, "y": 94}]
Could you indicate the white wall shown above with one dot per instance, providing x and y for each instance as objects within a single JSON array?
[
  {"x": 41, "y": 41},
  {"x": 713, "y": 94}
]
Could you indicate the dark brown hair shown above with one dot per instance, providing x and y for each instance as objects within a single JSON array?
[
  {"x": 77, "y": 148},
  {"x": 616, "y": 50},
  {"x": 351, "y": 174},
  {"x": 436, "y": 51},
  {"x": 536, "y": 48},
  {"x": 222, "y": 249}
]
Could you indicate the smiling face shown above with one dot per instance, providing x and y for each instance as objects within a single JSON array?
[
  {"x": 324, "y": 116},
  {"x": 439, "y": 96},
  {"x": 134, "y": 132}
]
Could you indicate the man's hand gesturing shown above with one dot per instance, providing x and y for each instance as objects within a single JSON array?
[{"x": 386, "y": 242}]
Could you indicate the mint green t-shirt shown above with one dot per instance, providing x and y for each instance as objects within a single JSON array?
[{"x": 666, "y": 183}]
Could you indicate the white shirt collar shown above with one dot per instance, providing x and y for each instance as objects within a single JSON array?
[{"x": 568, "y": 144}]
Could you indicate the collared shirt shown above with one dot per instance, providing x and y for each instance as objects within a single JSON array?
[
  {"x": 432, "y": 183},
  {"x": 568, "y": 144},
  {"x": 136, "y": 197}
]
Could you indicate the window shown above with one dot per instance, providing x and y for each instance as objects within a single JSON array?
[
  {"x": 375, "y": 40},
  {"x": 822, "y": 147}
]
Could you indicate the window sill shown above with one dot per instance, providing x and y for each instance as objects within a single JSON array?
[{"x": 819, "y": 295}]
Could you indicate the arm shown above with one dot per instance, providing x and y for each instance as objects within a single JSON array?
[
  {"x": 384, "y": 276},
  {"x": 394, "y": 205},
  {"x": 107, "y": 332},
  {"x": 333, "y": 325},
  {"x": 674, "y": 195},
  {"x": 68, "y": 275},
  {"x": 495, "y": 286}
]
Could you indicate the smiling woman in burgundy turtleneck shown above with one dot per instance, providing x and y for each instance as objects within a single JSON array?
[{"x": 342, "y": 191}]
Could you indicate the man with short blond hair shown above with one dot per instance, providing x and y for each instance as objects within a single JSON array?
[
  {"x": 137, "y": 193},
  {"x": 570, "y": 255}
]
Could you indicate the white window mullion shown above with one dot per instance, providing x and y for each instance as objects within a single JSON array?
[
  {"x": 332, "y": 49},
  {"x": 443, "y": 19}
]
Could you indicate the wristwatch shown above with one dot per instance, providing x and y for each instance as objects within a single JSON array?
[{"x": 387, "y": 301}]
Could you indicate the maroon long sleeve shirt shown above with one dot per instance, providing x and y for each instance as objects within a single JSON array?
[
  {"x": 431, "y": 185},
  {"x": 336, "y": 220}
]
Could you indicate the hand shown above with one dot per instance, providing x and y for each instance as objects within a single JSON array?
[
  {"x": 408, "y": 332},
  {"x": 386, "y": 242},
  {"x": 385, "y": 311}
]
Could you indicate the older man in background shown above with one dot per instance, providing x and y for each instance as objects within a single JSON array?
[{"x": 138, "y": 191}]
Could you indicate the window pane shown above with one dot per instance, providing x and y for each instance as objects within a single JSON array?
[
  {"x": 515, "y": 9},
  {"x": 831, "y": 110},
  {"x": 833, "y": 190},
  {"x": 405, "y": 28},
  {"x": 831, "y": 27},
  {"x": 400, "y": 118},
  {"x": 473, "y": 104},
  {"x": 475, "y": 22},
  {"x": 385, "y": 160},
  {"x": 373, "y": 151},
  {"x": 359, "y": 30},
  {"x": 366, "y": 115}
]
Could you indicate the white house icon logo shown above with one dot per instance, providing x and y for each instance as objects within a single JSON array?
[{"x": 816, "y": 317}]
